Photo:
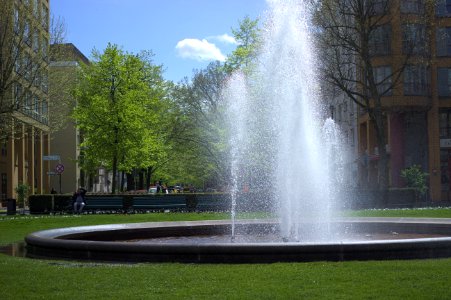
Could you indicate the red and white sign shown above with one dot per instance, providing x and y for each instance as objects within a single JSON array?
[{"x": 59, "y": 168}]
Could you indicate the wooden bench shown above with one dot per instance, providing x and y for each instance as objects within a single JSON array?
[
  {"x": 159, "y": 202},
  {"x": 104, "y": 203}
]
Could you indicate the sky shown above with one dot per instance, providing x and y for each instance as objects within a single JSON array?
[{"x": 183, "y": 34}]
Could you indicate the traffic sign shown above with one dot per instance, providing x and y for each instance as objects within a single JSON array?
[
  {"x": 51, "y": 157},
  {"x": 51, "y": 173},
  {"x": 59, "y": 168}
]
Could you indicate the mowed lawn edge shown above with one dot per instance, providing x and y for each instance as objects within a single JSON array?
[{"x": 48, "y": 279}]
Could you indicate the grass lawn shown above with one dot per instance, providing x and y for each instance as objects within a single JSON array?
[{"x": 22, "y": 278}]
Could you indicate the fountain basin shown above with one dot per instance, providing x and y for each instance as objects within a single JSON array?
[{"x": 385, "y": 238}]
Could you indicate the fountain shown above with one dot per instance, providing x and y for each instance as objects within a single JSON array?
[{"x": 281, "y": 144}]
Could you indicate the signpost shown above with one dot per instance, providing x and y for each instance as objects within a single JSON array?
[{"x": 59, "y": 169}]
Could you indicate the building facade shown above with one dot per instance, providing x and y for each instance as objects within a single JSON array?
[
  {"x": 417, "y": 38},
  {"x": 65, "y": 142},
  {"x": 24, "y": 131}
]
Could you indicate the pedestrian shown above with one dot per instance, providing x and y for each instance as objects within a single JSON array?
[{"x": 78, "y": 200}]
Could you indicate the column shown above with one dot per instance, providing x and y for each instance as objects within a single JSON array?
[
  {"x": 10, "y": 164},
  {"x": 39, "y": 165},
  {"x": 31, "y": 160},
  {"x": 46, "y": 164},
  {"x": 21, "y": 157}
]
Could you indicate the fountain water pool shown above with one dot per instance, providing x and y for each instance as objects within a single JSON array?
[
  {"x": 279, "y": 140},
  {"x": 197, "y": 242}
]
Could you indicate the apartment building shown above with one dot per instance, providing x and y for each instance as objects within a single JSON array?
[
  {"x": 418, "y": 109},
  {"x": 24, "y": 106}
]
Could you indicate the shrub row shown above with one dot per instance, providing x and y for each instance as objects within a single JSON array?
[
  {"x": 41, "y": 204},
  {"x": 354, "y": 199}
]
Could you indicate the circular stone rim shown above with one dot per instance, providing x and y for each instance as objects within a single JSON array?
[{"x": 64, "y": 243}]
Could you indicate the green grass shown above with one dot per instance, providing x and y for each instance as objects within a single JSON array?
[
  {"x": 402, "y": 213},
  {"x": 22, "y": 278}
]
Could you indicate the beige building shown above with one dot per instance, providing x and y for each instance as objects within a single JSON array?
[
  {"x": 65, "y": 141},
  {"x": 24, "y": 128}
]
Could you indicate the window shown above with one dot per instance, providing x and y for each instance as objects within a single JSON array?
[
  {"x": 44, "y": 48},
  {"x": 26, "y": 33},
  {"x": 412, "y": 6},
  {"x": 44, "y": 113},
  {"x": 416, "y": 80},
  {"x": 45, "y": 82},
  {"x": 378, "y": 7},
  {"x": 379, "y": 40},
  {"x": 16, "y": 20},
  {"x": 17, "y": 95},
  {"x": 444, "y": 82},
  {"x": 443, "y": 39},
  {"x": 414, "y": 39},
  {"x": 36, "y": 107},
  {"x": 445, "y": 124},
  {"x": 27, "y": 103},
  {"x": 36, "y": 8},
  {"x": 443, "y": 7},
  {"x": 27, "y": 66},
  {"x": 4, "y": 153},
  {"x": 17, "y": 60},
  {"x": 382, "y": 77},
  {"x": 37, "y": 76},
  {"x": 36, "y": 40},
  {"x": 45, "y": 16}
]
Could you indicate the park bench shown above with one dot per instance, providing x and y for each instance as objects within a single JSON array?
[
  {"x": 209, "y": 202},
  {"x": 159, "y": 202},
  {"x": 104, "y": 203}
]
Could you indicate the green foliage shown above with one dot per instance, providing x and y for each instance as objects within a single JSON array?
[
  {"x": 22, "y": 193},
  {"x": 199, "y": 149},
  {"x": 120, "y": 111},
  {"x": 249, "y": 41},
  {"x": 416, "y": 178}
]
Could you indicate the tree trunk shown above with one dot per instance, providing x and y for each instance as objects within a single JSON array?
[
  {"x": 130, "y": 182},
  {"x": 113, "y": 184},
  {"x": 383, "y": 169},
  {"x": 141, "y": 179},
  {"x": 148, "y": 176}
]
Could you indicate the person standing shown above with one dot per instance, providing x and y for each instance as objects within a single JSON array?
[{"x": 79, "y": 200}]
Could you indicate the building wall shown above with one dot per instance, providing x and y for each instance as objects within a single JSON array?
[
  {"x": 65, "y": 142},
  {"x": 416, "y": 135},
  {"x": 28, "y": 136}
]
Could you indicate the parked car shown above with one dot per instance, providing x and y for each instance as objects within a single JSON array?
[{"x": 152, "y": 190}]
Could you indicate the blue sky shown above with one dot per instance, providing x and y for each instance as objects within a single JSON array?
[{"x": 183, "y": 34}]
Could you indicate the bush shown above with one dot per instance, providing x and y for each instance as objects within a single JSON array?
[
  {"x": 416, "y": 179},
  {"x": 40, "y": 204},
  {"x": 22, "y": 192}
]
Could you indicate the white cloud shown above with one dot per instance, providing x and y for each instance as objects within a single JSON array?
[
  {"x": 225, "y": 38},
  {"x": 200, "y": 50}
]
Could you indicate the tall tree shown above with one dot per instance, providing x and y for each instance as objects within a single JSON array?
[
  {"x": 198, "y": 130},
  {"x": 248, "y": 38},
  {"x": 352, "y": 34},
  {"x": 118, "y": 99}
]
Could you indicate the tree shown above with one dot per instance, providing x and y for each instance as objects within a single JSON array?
[
  {"x": 198, "y": 132},
  {"x": 248, "y": 39},
  {"x": 352, "y": 34},
  {"x": 118, "y": 110}
]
